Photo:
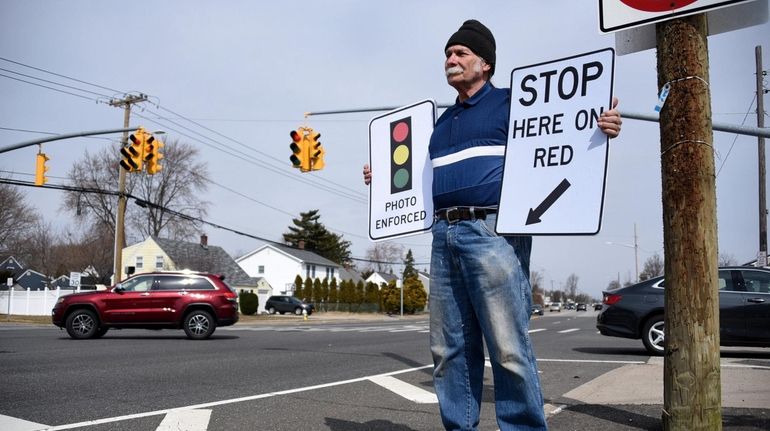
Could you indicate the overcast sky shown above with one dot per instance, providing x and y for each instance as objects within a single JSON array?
[{"x": 247, "y": 71}]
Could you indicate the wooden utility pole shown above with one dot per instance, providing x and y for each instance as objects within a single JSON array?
[
  {"x": 762, "y": 257},
  {"x": 120, "y": 216},
  {"x": 691, "y": 373}
]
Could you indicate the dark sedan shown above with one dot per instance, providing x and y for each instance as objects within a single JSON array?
[{"x": 744, "y": 310}]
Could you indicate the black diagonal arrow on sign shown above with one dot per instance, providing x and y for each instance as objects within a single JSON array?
[{"x": 535, "y": 214}]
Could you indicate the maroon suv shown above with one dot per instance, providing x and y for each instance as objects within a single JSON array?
[{"x": 193, "y": 301}]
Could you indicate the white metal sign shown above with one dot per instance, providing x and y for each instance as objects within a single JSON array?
[
  {"x": 400, "y": 197},
  {"x": 556, "y": 157},
  {"x": 74, "y": 279},
  {"x": 616, "y": 15}
]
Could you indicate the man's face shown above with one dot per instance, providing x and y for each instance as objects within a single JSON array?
[{"x": 464, "y": 68}]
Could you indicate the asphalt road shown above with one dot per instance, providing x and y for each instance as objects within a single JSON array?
[{"x": 284, "y": 375}]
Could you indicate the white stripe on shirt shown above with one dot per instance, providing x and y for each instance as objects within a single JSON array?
[{"x": 487, "y": 150}]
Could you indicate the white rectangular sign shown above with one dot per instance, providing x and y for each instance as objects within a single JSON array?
[
  {"x": 556, "y": 156},
  {"x": 617, "y": 15},
  {"x": 400, "y": 195},
  {"x": 75, "y": 279}
]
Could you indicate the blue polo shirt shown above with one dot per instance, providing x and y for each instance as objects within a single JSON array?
[{"x": 467, "y": 149}]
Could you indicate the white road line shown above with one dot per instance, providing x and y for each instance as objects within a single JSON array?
[
  {"x": 532, "y": 331},
  {"x": 405, "y": 390},
  {"x": 8, "y": 423},
  {"x": 590, "y": 361},
  {"x": 230, "y": 401},
  {"x": 186, "y": 420},
  {"x": 568, "y": 330}
]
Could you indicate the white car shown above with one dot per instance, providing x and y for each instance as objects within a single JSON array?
[{"x": 555, "y": 306}]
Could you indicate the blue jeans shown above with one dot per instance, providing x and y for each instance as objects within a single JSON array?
[{"x": 479, "y": 293}]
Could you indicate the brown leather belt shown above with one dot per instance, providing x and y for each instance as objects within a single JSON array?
[{"x": 456, "y": 214}]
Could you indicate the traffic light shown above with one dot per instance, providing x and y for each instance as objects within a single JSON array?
[
  {"x": 401, "y": 155},
  {"x": 316, "y": 151},
  {"x": 41, "y": 169},
  {"x": 299, "y": 148},
  {"x": 133, "y": 154},
  {"x": 152, "y": 155}
]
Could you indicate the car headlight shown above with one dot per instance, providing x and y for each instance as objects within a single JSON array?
[{"x": 60, "y": 300}]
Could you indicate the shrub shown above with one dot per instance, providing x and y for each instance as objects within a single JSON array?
[{"x": 249, "y": 302}]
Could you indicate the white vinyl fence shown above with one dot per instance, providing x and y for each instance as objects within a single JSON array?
[{"x": 30, "y": 303}]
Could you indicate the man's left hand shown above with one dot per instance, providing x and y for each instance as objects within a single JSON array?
[{"x": 610, "y": 121}]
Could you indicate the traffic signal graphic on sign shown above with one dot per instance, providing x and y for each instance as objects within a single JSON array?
[{"x": 401, "y": 155}]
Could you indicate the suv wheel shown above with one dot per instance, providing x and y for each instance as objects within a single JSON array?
[
  {"x": 199, "y": 325},
  {"x": 82, "y": 324},
  {"x": 298, "y": 311},
  {"x": 271, "y": 310},
  {"x": 652, "y": 335}
]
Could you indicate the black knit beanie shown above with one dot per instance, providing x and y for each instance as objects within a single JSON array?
[{"x": 478, "y": 38}]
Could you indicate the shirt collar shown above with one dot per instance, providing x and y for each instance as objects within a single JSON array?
[{"x": 473, "y": 100}]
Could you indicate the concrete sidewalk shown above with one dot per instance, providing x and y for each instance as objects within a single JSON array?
[
  {"x": 631, "y": 398},
  {"x": 743, "y": 386}
]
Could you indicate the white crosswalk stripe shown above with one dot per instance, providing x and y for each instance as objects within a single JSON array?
[{"x": 185, "y": 420}]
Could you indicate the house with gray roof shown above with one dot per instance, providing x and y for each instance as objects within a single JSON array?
[
  {"x": 280, "y": 264},
  {"x": 161, "y": 254}
]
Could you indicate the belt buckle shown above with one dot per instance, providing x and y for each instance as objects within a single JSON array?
[{"x": 450, "y": 218}]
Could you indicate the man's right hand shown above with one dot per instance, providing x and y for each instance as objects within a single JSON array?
[{"x": 367, "y": 174}]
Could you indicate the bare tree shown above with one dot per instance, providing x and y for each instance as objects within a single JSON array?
[
  {"x": 36, "y": 248},
  {"x": 536, "y": 280},
  {"x": 178, "y": 187},
  {"x": 383, "y": 255},
  {"x": 17, "y": 217},
  {"x": 571, "y": 286},
  {"x": 653, "y": 267},
  {"x": 726, "y": 260}
]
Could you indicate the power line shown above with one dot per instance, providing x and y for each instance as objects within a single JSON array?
[
  {"x": 250, "y": 148},
  {"x": 47, "y": 87},
  {"x": 144, "y": 203},
  {"x": 53, "y": 82},
  {"x": 255, "y": 161},
  {"x": 59, "y": 75}
]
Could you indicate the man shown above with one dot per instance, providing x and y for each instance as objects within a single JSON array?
[{"x": 480, "y": 290}]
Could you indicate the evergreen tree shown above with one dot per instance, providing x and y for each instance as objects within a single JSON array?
[
  {"x": 325, "y": 290},
  {"x": 409, "y": 270},
  {"x": 371, "y": 293},
  {"x": 359, "y": 294},
  {"x": 249, "y": 302},
  {"x": 316, "y": 238},
  {"x": 307, "y": 290},
  {"x": 391, "y": 298},
  {"x": 298, "y": 286},
  {"x": 317, "y": 291},
  {"x": 415, "y": 296},
  {"x": 333, "y": 293}
]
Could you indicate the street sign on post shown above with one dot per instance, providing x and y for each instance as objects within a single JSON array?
[
  {"x": 617, "y": 15},
  {"x": 556, "y": 157},
  {"x": 75, "y": 279}
]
